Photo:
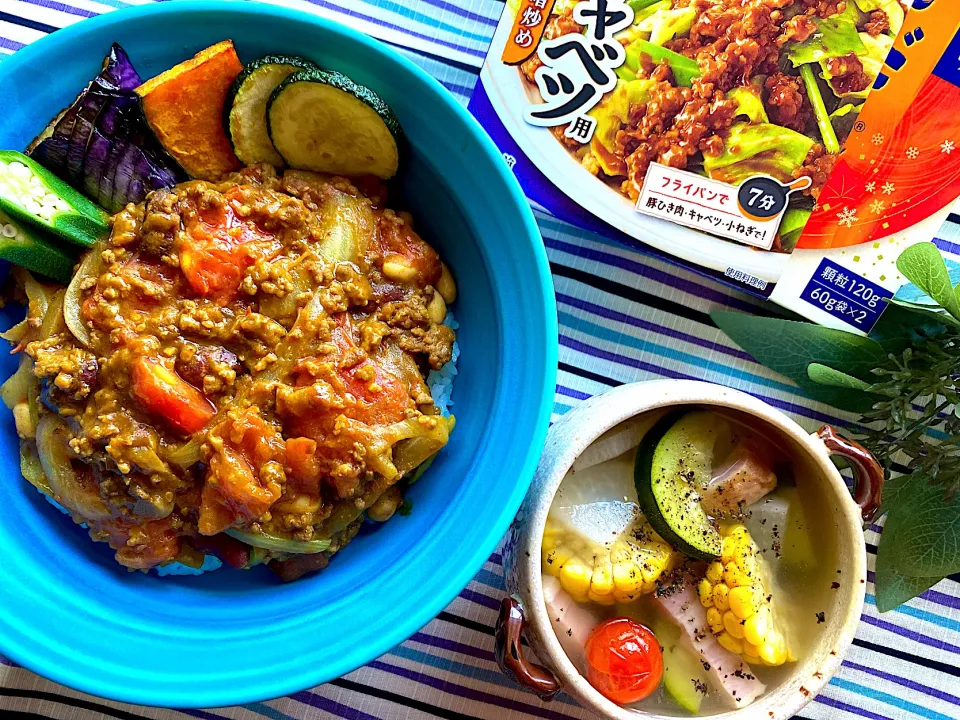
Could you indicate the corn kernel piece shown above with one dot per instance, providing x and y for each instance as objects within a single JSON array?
[
  {"x": 602, "y": 581},
  {"x": 751, "y": 653},
  {"x": 624, "y": 597},
  {"x": 727, "y": 547},
  {"x": 743, "y": 602},
  {"x": 714, "y": 572},
  {"x": 575, "y": 578},
  {"x": 731, "y": 623},
  {"x": 734, "y": 576},
  {"x": 715, "y": 617},
  {"x": 728, "y": 642},
  {"x": 602, "y": 599},
  {"x": 625, "y": 577},
  {"x": 720, "y": 593},
  {"x": 705, "y": 589},
  {"x": 757, "y": 626}
]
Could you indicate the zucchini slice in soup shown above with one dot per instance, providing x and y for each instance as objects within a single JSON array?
[
  {"x": 323, "y": 121},
  {"x": 245, "y": 111},
  {"x": 673, "y": 465}
]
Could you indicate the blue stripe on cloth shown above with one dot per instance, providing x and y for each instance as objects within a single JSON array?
[
  {"x": 889, "y": 699},
  {"x": 929, "y": 617},
  {"x": 913, "y": 635},
  {"x": 268, "y": 711},
  {"x": 63, "y": 7},
  {"x": 847, "y": 707},
  {"x": 905, "y": 682},
  {"x": 707, "y": 290},
  {"x": 651, "y": 327},
  {"x": 471, "y": 51},
  {"x": 495, "y": 678},
  {"x": 410, "y": 13},
  {"x": 620, "y": 339}
]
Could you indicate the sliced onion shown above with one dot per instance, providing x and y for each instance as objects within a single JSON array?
[
  {"x": 90, "y": 267},
  {"x": 53, "y": 318},
  {"x": 16, "y": 389},
  {"x": 186, "y": 454},
  {"x": 31, "y": 467},
  {"x": 53, "y": 437},
  {"x": 613, "y": 443},
  {"x": 279, "y": 544}
]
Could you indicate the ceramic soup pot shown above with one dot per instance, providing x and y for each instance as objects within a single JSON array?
[{"x": 524, "y": 610}]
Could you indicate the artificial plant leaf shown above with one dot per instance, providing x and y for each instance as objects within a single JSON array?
[
  {"x": 824, "y": 375},
  {"x": 894, "y": 589},
  {"x": 789, "y": 347},
  {"x": 900, "y": 327},
  {"x": 922, "y": 531},
  {"x": 923, "y": 265}
]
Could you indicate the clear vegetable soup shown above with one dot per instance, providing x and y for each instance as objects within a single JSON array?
[{"x": 685, "y": 565}]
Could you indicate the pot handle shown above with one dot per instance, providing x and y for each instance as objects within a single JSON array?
[
  {"x": 867, "y": 473},
  {"x": 509, "y": 653}
]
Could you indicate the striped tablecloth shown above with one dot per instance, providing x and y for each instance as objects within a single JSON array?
[{"x": 623, "y": 317}]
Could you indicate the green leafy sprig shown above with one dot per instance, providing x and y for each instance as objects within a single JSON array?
[{"x": 904, "y": 382}]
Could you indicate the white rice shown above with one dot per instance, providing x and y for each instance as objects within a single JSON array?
[{"x": 440, "y": 383}]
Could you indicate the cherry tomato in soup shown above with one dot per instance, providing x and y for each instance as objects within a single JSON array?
[{"x": 624, "y": 660}]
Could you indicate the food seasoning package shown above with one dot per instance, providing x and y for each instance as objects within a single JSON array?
[{"x": 791, "y": 148}]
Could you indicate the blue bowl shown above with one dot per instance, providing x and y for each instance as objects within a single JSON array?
[{"x": 70, "y": 613}]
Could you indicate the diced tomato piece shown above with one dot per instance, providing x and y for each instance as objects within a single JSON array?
[
  {"x": 236, "y": 479},
  {"x": 305, "y": 470},
  {"x": 221, "y": 247},
  {"x": 162, "y": 392},
  {"x": 381, "y": 397},
  {"x": 397, "y": 238},
  {"x": 215, "y": 516}
]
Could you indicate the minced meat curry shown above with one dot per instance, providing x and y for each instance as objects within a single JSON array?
[{"x": 238, "y": 370}]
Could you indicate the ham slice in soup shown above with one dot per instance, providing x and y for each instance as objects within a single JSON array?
[
  {"x": 571, "y": 621},
  {"x": 744, "y": 477},
  {"x": 735, "y": 683}
]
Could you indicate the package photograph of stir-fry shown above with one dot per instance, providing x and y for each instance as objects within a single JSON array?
[{"x": 480, "y": 359}]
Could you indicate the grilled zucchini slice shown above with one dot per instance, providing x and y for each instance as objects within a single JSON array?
[
  {"x": 245, "y": 112},
  {"x": 323, "y": 121}
]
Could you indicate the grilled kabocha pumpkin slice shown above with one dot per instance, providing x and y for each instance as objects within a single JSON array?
[
  {"x": 323, "y": 121},
  {"x": 184, "y": 108}
]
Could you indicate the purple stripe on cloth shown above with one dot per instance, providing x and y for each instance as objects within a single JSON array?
[
  {"x": 331, "y": 706},
  {"x": 200, "y": 714},
  {"x": 934, "y": 596},
  {"x": 466, "y": 692},
  {"x": 570, "y": 392},
  {"x": 462, "y": 12},
  {"x": 452, "y": 645},
  {"x": 703, "y": 290},
  {"x": 840, "y": 705},
  {"x": 653, "y": 327},
  {"x": 911, "y": 635},
  {"x": 496, "y": 559},
  {"x": 649, "y": 367},
  {"x": 79, "y": 12},
  {"x": 919, "y": 687},
  {"x": 7, "y": 661},
  {"x": 10, "y": 44},
  {"x": 405, "y": 30},
  {"x": 479, "y": 599}
]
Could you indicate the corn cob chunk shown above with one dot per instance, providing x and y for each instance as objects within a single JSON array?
[
  {"x": 620, "y": 571},
  {"x": 739, "y": 601}
]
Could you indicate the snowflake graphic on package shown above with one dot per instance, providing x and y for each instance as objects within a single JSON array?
[
  {"x": 579, "y": 69},
  {"x": 847, "y": 217}
]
